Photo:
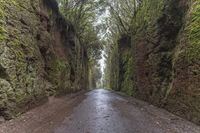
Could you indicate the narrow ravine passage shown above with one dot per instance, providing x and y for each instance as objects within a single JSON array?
[
  {"x": 98, "y": 111},
  {"x": 55, "y": 54}
]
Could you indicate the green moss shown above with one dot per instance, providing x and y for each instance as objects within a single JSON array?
[
  {"x": 2, "y": 30},
  {"x": 148, "y": 13},
  {"x": 2, "y": 33},
  {"x": 114, "y": 69},
  {"x": 193, "y": 30},
  {"x": 128, "y": 83},
  {"x": 3, "y": 12},
  {"x": 58, "y": 76},
  {"x": 4, "y": 4}
]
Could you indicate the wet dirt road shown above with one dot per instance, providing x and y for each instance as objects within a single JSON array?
[{"x": 98, "y": 111}]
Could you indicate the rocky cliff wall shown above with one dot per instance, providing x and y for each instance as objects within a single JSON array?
[
  {"x": 40, "y": 55},
  {"x": 166, "y": 72},
  {"x": 165, "y": 57}
]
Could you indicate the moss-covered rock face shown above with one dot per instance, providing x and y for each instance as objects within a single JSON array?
[
  {"x": 20, "y": 62},
  {"x": 189, "y": 57},
  {"x": 193, "y": 31},
  {"x": 182, "y": 96},
  {"x": 114, "y": 74},
  {"x": 125, "y": 82},
  {"x": 162, "y": 64},
  {"x": 37, "y": 48},
  {"x": 167, "y": 57}
]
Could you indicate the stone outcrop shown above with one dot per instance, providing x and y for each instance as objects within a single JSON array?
[{"x": 40, "y": 55}]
